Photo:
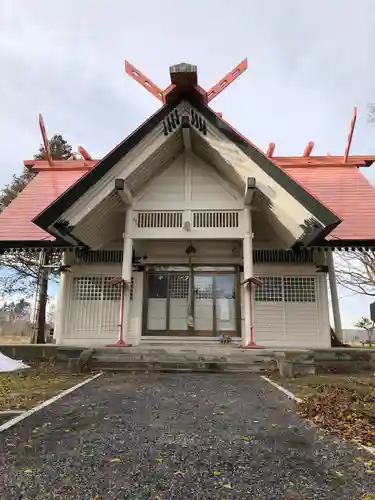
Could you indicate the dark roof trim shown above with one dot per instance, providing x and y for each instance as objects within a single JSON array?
[
  {"x": 314, "y": 206},
  {"x": 34, "y": 244},
  {"x": 53, "y": 211},
  {"x": 347, "y": 244}
]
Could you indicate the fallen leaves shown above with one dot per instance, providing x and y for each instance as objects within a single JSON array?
[
  {"x": 115, "y": 460},
  {"x": 346, "y": 408},
  {"x": 24, "y": 390}
]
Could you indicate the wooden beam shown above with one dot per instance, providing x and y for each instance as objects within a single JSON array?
[
  {"x": 227, "y": 80},
  {"x": 250, "y": 190},
  {"x": 350, "y": 136},
  {"x": 271, "y": 149},
  {"x": 123, "y": 191},
  {"x": 146, "y": 83},
  {"x": 47, "y": 149},
  {"x": 308, "y": 149},
  {"x": 85, "y": 155}
]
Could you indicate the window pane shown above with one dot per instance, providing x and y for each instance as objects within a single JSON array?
[{"x": 157, "y": 286}]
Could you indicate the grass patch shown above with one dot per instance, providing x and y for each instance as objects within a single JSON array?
[
  {"x": 15, "y": 339},
  {"x": 27, "y": 388},
  {"x": 342, "y": 404}
]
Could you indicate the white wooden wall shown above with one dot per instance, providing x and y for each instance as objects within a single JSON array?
[
  {"x": 94, "y": 322},
  {"x": 286, "y": 323},
  {"x": 92, "y": 318}
]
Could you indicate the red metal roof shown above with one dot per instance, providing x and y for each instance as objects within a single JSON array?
[
  {"x": 346, "y": 192},
  {"x": 16, "y": 220}
]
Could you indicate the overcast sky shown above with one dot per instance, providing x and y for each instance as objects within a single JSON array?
[{"x": 309, "y": 64}]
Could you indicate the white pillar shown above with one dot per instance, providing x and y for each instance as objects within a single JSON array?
[
  {"x": 62, "y": 301},
  {"x": 127, "y": 272},
  {"x": 334, "y": 295},
  {"x": 247, "y": 271}
]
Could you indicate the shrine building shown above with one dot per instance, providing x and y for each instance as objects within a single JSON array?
[{"x": 187, "y": 231}]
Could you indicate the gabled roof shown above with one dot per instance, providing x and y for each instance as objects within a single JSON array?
[
  {"x": 320, "y": 212},
  {"x": 53, "y": 191}
]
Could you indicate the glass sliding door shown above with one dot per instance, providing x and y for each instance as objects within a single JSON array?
[
  {"x": 203, "y": 303},
  {"x": 178, "y": 301},
  {"x": 211, "y": 296},
  {"x": 225, "y": 302},
  {"x": 157, "y": 302}
]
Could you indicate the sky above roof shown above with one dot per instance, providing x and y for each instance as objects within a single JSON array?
[{"x": 307, "y": 69}]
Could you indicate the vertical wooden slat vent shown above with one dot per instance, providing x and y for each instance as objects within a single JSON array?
[
  {"x": 159, "y": 219},
  {"x": 215, "y": 219}
]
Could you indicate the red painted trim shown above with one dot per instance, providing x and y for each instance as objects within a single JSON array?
[
  {"x": 308, "y": 149},
  {"x": 226, "y": 80},
  {"x": 350, "y": 136},
  {"x": 142, "y": 79},
  {"x": 121, "y": 342},
  {"x": 83, "y": 152},
  {"x": 271, "y": 149},
  {"x": 45, "y": 139}
]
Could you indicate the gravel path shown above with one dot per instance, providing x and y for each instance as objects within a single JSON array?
[{"x": 177, "y": 436}]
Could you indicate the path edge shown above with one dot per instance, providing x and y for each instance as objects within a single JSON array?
[
  {"x": 282, "y": 389},
  {"x": 10, "y": 423}
]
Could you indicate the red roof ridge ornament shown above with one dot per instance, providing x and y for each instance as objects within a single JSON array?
[
  {"x": 84, "y": 153},
  {"x": 47, "y": 148},
  {"x": 350, "y": 136},
  {"x": 184, "y": 76}
]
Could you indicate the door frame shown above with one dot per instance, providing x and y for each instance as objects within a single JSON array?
[{"x": 188, "y": 332}]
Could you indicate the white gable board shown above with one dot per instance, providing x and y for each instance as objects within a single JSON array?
[
  {"x": 206, "y": 183},
  {"x": 188, "y": 182},
  {"x": 167, "y": 186}
]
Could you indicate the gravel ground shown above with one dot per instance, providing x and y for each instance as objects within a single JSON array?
[{"x": 177, "y": 436}]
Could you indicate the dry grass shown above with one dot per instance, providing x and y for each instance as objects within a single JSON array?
[
  {"x": 305, "y": 386},
  {"x": 15, "y": 339},
  {"x": 342, "y": 404},
  {"x": 25, "y": 389}
]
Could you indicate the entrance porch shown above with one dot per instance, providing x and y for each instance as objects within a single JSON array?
[{"x": 174, "y": 297}]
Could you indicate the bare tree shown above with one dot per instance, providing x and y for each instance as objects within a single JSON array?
[
  {"x": 356, "y": 271},
  {"x": 21, "y": 272}
]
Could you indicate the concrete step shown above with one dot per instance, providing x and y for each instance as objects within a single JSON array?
[
  {"x": 178, "y": 358},
  {"x": 115, "y": 365}
]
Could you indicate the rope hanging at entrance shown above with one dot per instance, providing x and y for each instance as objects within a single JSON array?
[{"x": 190, "y": 318}]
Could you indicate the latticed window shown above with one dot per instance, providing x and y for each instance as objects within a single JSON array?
[
  {"x": 271, "y": 289},
  {"x": 111, "y": 291},
  {"x": 179, "y": 286},
  {"x": 98, "y": 288},
  {"x": 299, "y": 289},
  {"x": 287, "y": 289},
  {"x": 87, "y": 288}
]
